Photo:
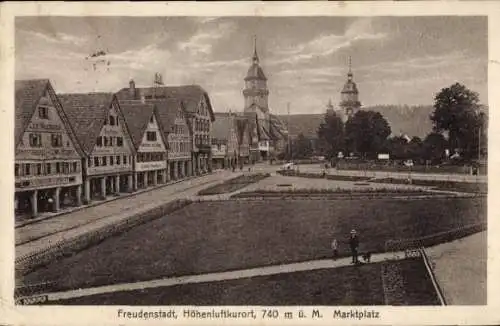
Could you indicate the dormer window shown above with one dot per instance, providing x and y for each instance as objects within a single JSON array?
[
  {"x": 43, "y": 112},
  {"x": 151, "y": 120},
  {"x": 111, "y": 120}
]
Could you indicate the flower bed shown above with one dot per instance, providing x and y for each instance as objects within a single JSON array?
[
  {"x": 234, "y": 184},
  {"x": 293, "y": 173},
  {"x": 481, "y": 188},
  {"x": 434, "y": 239},
  {"x": 24, "y": 265},
  {"x": 336, "y": 193}
]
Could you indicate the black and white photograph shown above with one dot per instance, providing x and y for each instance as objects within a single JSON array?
[{"x": 251, "y": 161}]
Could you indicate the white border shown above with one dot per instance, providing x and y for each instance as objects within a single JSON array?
[{"x": 10, "y": 314}]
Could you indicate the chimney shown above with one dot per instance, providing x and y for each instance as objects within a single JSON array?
[{"x": 132, "y": 88}]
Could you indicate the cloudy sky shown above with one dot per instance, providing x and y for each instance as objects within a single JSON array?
[{"x": 396, "y": 60}]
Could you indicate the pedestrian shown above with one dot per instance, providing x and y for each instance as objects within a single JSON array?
[
  {"x": 334, "y": 249},
  {"x": 354, "y": 244}
]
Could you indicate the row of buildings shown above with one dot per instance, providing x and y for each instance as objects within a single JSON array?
[{"x": 72, "y": 149}]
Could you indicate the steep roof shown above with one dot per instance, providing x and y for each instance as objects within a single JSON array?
[
  {"x": 87, "y": 113},
  {"x": 27, "y": 95},
  {"x": 137, "y": 116},
  {"x": 222, "y": 126},
  {"x": 306, "y": 124},
  {"x": 255, "y": 72},
  {"x": 189, "y": 95}
]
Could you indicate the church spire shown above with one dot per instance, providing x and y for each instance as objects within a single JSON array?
[
  {"x": 255, "y": 57},
  {"x": 349, "y": 74}
]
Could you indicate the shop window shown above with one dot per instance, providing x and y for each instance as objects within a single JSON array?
[
  {"x": 43, "y": 112},
  {"x": 118, "y": 160},
  {"x": 119, "y": 141},
  {"x": 151, "y": 136},
  {"x": 16, "y": 170},
  {"x": 96, "y": 161},
  {"x": 48, "y": 168},
  {"x": 99, "y": 141}
]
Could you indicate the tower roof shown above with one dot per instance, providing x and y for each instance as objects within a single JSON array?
[
  {"x": 255, "y": 71},
  {"x": 350, "y": 85}
]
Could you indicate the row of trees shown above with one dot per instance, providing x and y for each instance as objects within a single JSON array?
[{"x": 458, "y": 125}]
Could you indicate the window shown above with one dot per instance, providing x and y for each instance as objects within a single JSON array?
[
  {"x": 38, "y": 169},
  {"x": 35, "y": 140},
  {"x": 111, "y": 160},
  {"x": 151, "y": 120},
  {"x": 124, "y": 159},
  {"x": 118, "y": 160},
  {"x": 16, "y": 170},
  {"x": 43, "y": 112},
  {"x": 58, "y": 167},
  {"x": 151, "y": 136},
  {"x": 65, "y": 168},
  {"x": 75, "y": 167},
  {"x": 48, "y": 168},
  {"x": 104, "y": 160},
  {"x": 96, "y": 161},
  {"x": 56, "y": 140},
  {"x": 27, "y": 169},
  {"x": 111, "y": 141},
  {"x": 111, "y": 120},
  {"x": 99, "y": 141},
  {"x": 106, "y": 142},
  {"x": 89, "y": 163},
  {"x": 106, "y": 121},
  {"x": 119, "y": 141}
]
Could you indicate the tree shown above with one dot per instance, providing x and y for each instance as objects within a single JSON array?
[
  {"x": 434, "y": 147},
  {"x": 301, "y": 147},
  {"x": 415, "y": 148},
  {"x": 397, "y": 146},
  {"x": 241, "y": 128},
  {"x": 366, "y": 133},
  {"x": 456, "y": 110},
  {"x": 331, "y": 134}
]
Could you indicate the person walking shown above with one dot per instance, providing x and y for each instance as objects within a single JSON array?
[
  {"x": 335, "y": 249},
  {"x": 354, "y": 244}
]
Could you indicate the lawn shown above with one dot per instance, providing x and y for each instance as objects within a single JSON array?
[
  {"x": 234, "y": 184},
  {"x": 227, "y": 235},
  {"x": 332, "y": 193},
  {"x": 350, "y": 285}
]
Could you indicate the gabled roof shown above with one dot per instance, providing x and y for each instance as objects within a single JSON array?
[
  {"x": 27, "y": 96},
  {"x": 137, "y": 116},
  {"x": 189, "y": 95},
  {"x": 87, "y": 113},
  {"x": 28, "y": 93}
]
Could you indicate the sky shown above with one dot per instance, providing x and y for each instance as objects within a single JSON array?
[{"x": 395, "y": 60}]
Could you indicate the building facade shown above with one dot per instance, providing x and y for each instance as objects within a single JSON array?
[
  {"x": 349, "y": 97},
  {"x": 268, "y": 134},
  {"x": 224, "y": 141},
  {"x": 100, "y": 127},
  {"x": 48, "y": 168},
  {"x": 197, "y": 110},
  {"x": 150, "y": 163}
]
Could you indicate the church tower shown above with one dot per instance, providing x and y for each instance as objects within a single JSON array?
[
  {"x": 256, "y": 92},
  {"x": 349, "y": 99}
]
